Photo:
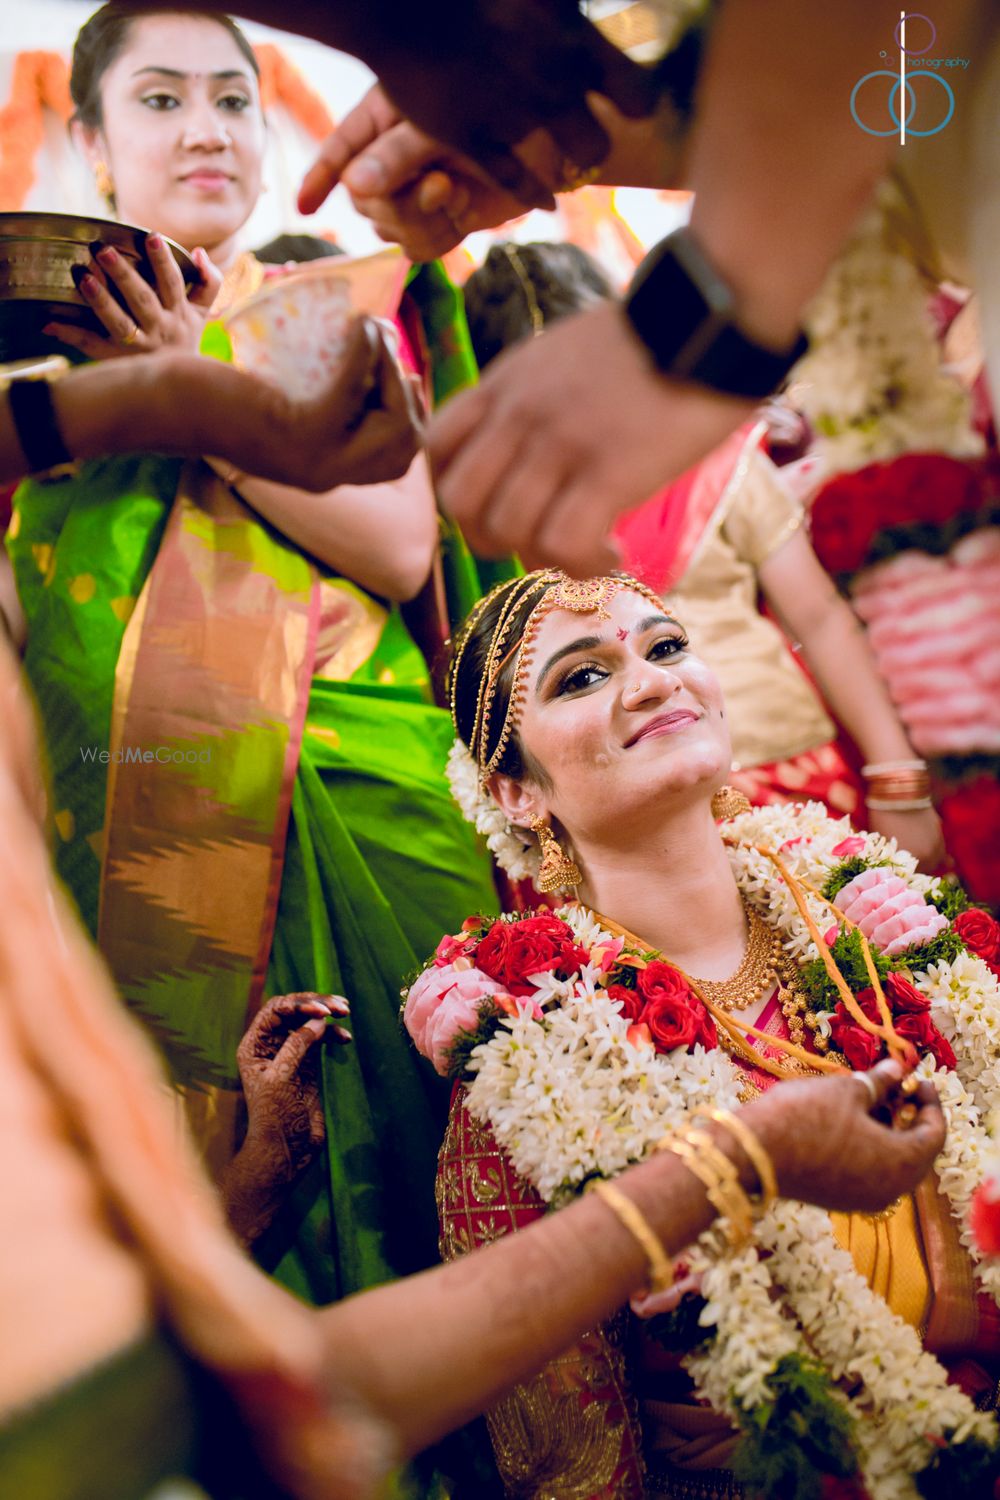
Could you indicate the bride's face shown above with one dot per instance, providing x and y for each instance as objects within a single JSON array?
[
  {"x": 621, "y": 718},
  {"x": 182, "y": 130}
]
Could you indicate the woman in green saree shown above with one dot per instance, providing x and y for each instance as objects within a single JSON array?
[{"x": 245, "y": 757}]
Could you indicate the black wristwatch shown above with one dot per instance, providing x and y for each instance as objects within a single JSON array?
[
  {"x": 29, "y": 396},
  {"x": 684, "y": 313}
]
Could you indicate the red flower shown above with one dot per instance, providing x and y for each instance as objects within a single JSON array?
[
  {"x": 921, "y": 1031},
  {"x": 904, "y": 999},
  {"x": 674, "y": 1014},
  {"x": 631, "y": 1001},
  {"x": 918, "y": 489},
  {"x": 980, "y": 933},
  {"x": 661, "y": 981},
  {"x": 542, "y": 944},
  {"x": 861, "y": 1049},
  {"x": 984, "y": 1218}
]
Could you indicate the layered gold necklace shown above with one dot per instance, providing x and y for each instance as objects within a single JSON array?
[{"x": 764, "y": 966}]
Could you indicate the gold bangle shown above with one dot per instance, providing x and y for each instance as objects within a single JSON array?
[
  {"x": 718, "y": 1176},
  {"x": 738, "y": 1221},
  {"x": 631, "y": 1217},
  {"x": 755, "y": 1152}
]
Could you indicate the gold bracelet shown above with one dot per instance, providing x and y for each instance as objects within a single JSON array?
[
  {"x": 631, "y": 1217},
  {"x": 718, "y": 1176},
  {"x": 755, "y": 1152},
  {"x": 738, "y": 1222}
]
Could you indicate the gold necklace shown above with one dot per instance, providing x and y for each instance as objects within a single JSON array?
[
  {"x": 757, "y": 971},
  {"x": 764, "y": 962}
]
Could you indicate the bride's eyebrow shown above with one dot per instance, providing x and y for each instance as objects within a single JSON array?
[
  {"x": 651, "y": 621},
  {"x": 584, "y": 643}
]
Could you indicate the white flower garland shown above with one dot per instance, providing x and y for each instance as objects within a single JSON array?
[
  {"x": 872, "y": 384},
  {"x": 568, "y": 1096},
  {"x": 513, "y": 851}
]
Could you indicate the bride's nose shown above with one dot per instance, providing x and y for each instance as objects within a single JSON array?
[{"x": 645, "y": 681}]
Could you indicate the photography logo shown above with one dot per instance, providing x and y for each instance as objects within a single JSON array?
[{"x": 925, "y": 112}]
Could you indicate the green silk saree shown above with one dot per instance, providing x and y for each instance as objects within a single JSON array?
[{"x": 248, "y": 797}]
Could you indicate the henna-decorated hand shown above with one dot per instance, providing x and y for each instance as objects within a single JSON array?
[
  {"x": 279, "y": 1069},
  {"x": 833, "y": 1144}
]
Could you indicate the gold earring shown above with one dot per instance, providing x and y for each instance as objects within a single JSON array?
[
  {"x": 558, "y": 871},
  {"x": 103, "y": 181},
  {"x": 729, "y": 802}
]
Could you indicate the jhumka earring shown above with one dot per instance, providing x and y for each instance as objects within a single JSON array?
[
  {"x": 558, "y": 871},
  {"x": 728, "y": 802},
  {"x": 103, "y": 181}
]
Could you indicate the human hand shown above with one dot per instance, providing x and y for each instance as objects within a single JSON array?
[
  {"x": 918, "y": 832},
  {"x": 364, "y": 428},
  {"x": 828, "y": 1149},
  {"x": 169, "y": 316},
  {"x": 279, "y": 1070},
  {"x": 532, "y": 67},
  {"x": 417, "y": 192},
  {"x": 562, "y": 434}
]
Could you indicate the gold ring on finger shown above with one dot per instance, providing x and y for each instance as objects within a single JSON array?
[{"x": 132, "y": 335}]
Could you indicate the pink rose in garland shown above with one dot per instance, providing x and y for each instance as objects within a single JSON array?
[
  {"x": 672, "y": 1011},
  {"x": 455, "y": 946},
  {"x": 890, "y": 914},
  {"x": 445, "y": 1002},
  {"x": 512, "y": 951}
]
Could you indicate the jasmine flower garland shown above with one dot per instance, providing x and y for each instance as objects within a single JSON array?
[{"x": 574, "y": 1078}]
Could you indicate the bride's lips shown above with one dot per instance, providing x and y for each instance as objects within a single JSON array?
[{"x": 671, "y": 723}]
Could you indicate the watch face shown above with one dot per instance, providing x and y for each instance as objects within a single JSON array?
[
  {"x": 685, "y": 315},
  {"x": 677, "y": 304}
]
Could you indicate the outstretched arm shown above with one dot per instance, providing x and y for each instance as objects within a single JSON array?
[
  {"x": 362, "y": 429},
  {"x": 478, "y": 1326}
]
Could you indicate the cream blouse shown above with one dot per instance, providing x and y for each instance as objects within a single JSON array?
[{"x": 774, "y": 712}]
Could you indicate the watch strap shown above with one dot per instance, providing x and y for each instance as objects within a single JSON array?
[
  {"x": 685, "y": 315},
  {"x": 34, "y": 418}
]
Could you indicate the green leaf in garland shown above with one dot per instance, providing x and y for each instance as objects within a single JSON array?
[
  {"x": 466, "y": 1041},
  {"x": 793, "y": 1444},
  {"x": 943, "y": 949},
  {"x": 843, "y": 874},
  {"x": 821, "y": 992},
  {"x": 960, "y": 1469},
  {"x": 950, "y": 899}
]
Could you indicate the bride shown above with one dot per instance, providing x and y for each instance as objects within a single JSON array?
[{"x": 820, "y": 1349}]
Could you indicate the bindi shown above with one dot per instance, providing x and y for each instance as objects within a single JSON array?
[{"x": 622, "y": 633}]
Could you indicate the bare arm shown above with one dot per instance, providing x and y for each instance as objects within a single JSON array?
[
  {"x": 837, "y": 652},
  {"x": 380, "y": 535},
  {"x": 360, "y": 430},
  {"x": 474, "y": 1328}
]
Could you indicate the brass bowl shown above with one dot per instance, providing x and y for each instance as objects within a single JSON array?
[{"x": 42, "y": 256}]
